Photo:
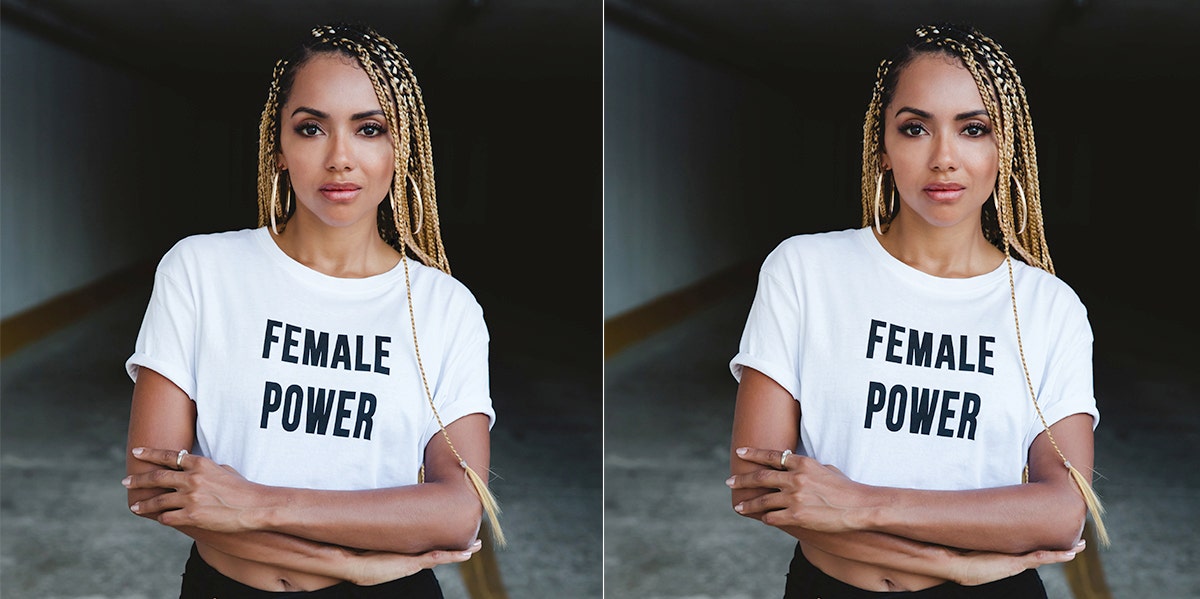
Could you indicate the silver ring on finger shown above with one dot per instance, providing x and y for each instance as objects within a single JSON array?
[
  {"x": 783, "y": 458},
  {"x": 179, "y": 458}
]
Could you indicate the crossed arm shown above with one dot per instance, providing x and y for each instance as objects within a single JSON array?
[
  {"x": 346, "y": 535},
  {"x": 971, "y": 534}
]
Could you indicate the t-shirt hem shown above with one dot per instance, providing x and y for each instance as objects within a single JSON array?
[
  {"x": 178, "y": 376},
  {"x": 1056, "y": 413},
  {"x": 775, "y": 372},
  {"x": 450, "y": 416}
]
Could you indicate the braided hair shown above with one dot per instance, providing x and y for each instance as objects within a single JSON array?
[
  {"x": 1014, "y": 220},
  {"x": 409, "y": 221}
]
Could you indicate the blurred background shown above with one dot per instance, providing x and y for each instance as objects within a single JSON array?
[
  {"x": 129, "y": 124},
  {"x": 733, "y": 125}
]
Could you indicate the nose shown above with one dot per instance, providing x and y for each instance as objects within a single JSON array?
[
  {"x": 340, "y": 157},
  {"x": 943, "y": 156}
]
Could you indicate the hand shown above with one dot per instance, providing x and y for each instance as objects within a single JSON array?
[
  {"x": 377, "y": 567},
  {"x": 199, "y": 492},
  {"x": 979, "y": 567},
  {"x": 804, "y": 493}
]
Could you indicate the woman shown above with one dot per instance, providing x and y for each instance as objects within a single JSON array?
[
  {"x": 915, "y": 369},
  {"x": 311, "y": 399}
]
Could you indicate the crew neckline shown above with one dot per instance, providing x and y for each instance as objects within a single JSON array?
[
  {"x": 921, "y": 278},
  {"x": 319, "y": 279}
]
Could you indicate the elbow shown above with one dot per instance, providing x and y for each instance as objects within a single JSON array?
[
  {"x": 460, "y": 527},
  {"x": 1069, "y": 527},
  {"x": 1062, "y": 529},
  {"x": 466, "y": 529}
]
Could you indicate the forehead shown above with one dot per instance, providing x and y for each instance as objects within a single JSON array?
[
  {"x": 936, "y": 83},
  {"x": 330, "y": 81}
]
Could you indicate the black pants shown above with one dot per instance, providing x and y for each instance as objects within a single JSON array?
[
  {"x": 805, "y": 581},
  {"x": 202, "y": 581}
]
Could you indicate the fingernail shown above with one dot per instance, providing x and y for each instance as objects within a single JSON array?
[
  {"x": 729, "y": 482},
  {"x": 738, "y": 508},
  {"x": 125, "y": 481},
  {"x": 477, "y": 543},
  {"x": 1070, "y": 555},
  {"x": 138, "y": 451},
  {"x": 741, "y": 451},
  {"x": 135, "y": 508}
]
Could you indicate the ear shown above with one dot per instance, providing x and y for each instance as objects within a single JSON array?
[{"x": 280, "y": 161}]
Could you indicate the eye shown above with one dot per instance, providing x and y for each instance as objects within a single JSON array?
[
  {"x": 372, "y": 130},
  {"x": 977, "y": 130},
  {"x": 912, "y": 129},
  {"x": 308, "y": 129}
]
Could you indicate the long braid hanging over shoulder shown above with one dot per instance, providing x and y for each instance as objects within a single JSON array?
[
  {"x": 1013, "y": 223},
  {"x": 409, "y": 220}
]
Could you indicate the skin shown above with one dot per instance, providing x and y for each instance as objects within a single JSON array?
[
  {"x": 886, "y": 539},
  {"x": 283, "y": 539}
]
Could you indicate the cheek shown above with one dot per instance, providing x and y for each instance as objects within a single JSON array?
[
  {"x": 984, "y": 158},
  {"x": 382, "y": 162}
]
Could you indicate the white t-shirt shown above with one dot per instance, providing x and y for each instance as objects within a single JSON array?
[
  {"x": 306, "y": 380},
  {"x": 910, "y": 380}
]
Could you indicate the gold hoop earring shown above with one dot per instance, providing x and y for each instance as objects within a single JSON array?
[
  {"x": 892, "y": 203},
  {"x": 420, "y": 204},
  {"x": 875, "y": 203},
  {"x": 1024, "y": 207},
  {"x": 274, "y": 204},
  {"x": 287, "y": 206}
]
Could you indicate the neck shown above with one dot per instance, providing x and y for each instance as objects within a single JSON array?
[
  {"x": 351, "y": 252},
  {"x": 950, "y": 252}
]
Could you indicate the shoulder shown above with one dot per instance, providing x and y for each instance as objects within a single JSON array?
[
  {"x": 1046, "y": 295},
  {"x": 433, "y": 284},
  {"x": 814, "y": 248},
  {"x": 197, "y": 251},
  {"x": 1048, "y": 287}
]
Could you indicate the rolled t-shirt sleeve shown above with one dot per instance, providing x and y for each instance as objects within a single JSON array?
[
  {"x": 166, "y": 342},
  {"x": 463, "y": 386},
  {"x": 770, "y": 342},
  {"x": 1067, "y": 387}
]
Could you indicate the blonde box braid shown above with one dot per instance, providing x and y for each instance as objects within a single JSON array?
[
  {"x": 408, "y": 222},
  {"x": 1015, "y": 224}
]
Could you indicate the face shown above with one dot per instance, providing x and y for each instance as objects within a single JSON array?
[
  {"x": 939, "y": 143},
  {"x": 335, "y": 145}
]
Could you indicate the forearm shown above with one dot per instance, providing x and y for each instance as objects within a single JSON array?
[
  {"x": 411, "y": 519},
  {"x": 280, "y": 550},
  {"x": 875, "y": 548},
  {"x": 1013, "y": 519},
  {"x": 883, "y": 550}
]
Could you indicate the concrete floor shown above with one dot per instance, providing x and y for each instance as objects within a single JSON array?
[
  {"x": 65, "y": 531},
  {"x": 669, "y": 531}
]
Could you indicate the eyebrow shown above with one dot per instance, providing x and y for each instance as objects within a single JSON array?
[
  {"x": 958, "y": 117},
  {"x": 324, "y": 115}
]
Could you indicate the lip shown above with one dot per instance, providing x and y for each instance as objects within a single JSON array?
[
  {"x": 340, "y": 192},
  {"x": 944, "y": 192}
]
